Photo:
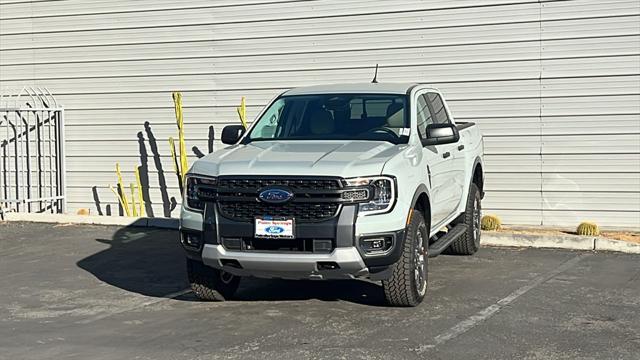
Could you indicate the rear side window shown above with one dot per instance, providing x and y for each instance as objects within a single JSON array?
[{"x": 440, "y": 115}]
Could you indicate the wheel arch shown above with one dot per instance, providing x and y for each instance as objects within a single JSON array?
[
  {"x": 477, "y": 176},
  {"x": 422, "y": 202}
]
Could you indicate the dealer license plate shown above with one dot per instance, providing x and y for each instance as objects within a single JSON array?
[{"x": 274, "y": 228}]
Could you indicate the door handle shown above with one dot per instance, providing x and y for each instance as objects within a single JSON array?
[
  {"x": 461, "y": 147},
  {"x": 446, "y": 155}
]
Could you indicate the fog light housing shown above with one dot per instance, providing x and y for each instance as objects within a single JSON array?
[
  {"x": 378, "y": 244},
  {"x": 191, "y": 240}
]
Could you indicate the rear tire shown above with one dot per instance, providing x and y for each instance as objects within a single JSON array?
[
  {"x": 407, "y": 285},
  {"x": 469, "y": 242},
  {"x": 211, "y": 284}
]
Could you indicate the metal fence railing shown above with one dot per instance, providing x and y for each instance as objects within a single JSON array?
[{"x": 32, "y": 161}]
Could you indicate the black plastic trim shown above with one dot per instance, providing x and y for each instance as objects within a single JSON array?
[
  {"x": 346, "y": 226},
  {"x": 389, "y": 258},
  {"x": 478, "y": 162},
  {"x": 209, "y": 224},
  {"x": 464, "y": 125},
  {"x": 192, "y": 253},
  {"x": 340, "y": 228},
  {"x": 422, "y": 189}
]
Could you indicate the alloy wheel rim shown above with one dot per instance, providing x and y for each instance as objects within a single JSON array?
[
  {"x": 419, "y": 264},
  {"x": 476, "y": 222}
]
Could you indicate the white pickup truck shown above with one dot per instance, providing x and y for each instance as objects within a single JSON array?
[{"x": 336, "y": 182}]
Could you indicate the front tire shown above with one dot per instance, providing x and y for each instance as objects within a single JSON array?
[
  {"x": 469, "y": 242},
  {"x": 407, "y": 285},
  {"x": 211, "y": 284}
]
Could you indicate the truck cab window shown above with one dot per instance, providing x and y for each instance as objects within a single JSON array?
[
  {"x": 439, "y": 111},
  {"x": 424, "y": 116},
  {"x": 267, "y": 129},
  {"x": 351, "y": 116}
]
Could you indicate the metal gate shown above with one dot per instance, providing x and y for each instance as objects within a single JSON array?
[{"x": 32, "y": 163}]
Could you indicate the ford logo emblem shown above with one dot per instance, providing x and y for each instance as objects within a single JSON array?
[
  {"x": 275, "y": 196},
  {"x": 275, "y": 230}
]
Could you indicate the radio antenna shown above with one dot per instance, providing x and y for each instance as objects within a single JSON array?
[{"x": 375, "y": 76}]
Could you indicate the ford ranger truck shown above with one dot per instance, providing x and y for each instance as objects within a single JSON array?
[{"x": 336, "y": 182}]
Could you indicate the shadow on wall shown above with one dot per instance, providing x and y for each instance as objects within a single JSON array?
[
  {"x": 210, "y": 138},
  {"x": 151, "y": 262},
  {"x": 168, "y": 203}
]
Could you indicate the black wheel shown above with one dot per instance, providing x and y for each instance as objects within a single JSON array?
[
  {"x": 407, "y": 285},
  {"x": 211, "y": 284},
  {"x": 469, "y": 242}
]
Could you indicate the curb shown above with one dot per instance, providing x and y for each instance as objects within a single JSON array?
[
  {"x": 603, "y": 244},
  {"x": 571, "y": 242},
  {"x": 162, "y": 223}
]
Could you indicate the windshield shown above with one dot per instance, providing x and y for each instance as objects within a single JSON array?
[{"x": 334, "y": 117}]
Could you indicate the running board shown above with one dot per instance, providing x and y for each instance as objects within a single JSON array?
[{"x": 443, "y": 243}]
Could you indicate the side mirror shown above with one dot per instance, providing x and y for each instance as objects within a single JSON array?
[
  {"x": 232, "y": 133},
  {"x": 439, "y": 134}
]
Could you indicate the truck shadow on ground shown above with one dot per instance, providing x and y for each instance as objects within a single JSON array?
[
  {"x": 151, "y": 262},
  {"x": 142, "y": 260}
]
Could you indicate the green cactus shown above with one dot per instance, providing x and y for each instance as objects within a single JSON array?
[
  {"x": 490, "y": 222},
  {"x": 588, "y": 228}
]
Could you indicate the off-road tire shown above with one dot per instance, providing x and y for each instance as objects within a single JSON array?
[
  {"x": 211, "y": 284},
  {"x": 469, "y": 242},
  {"x": 402, "y": 288}
]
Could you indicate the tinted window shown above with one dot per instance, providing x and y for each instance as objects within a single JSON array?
[
  {"x": 334, "y": 117},
  {"x": 437, "y": 106},
  {"x": 423, "y": 115}
]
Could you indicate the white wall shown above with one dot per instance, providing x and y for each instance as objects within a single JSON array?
[{"x": 554, "y": 85}]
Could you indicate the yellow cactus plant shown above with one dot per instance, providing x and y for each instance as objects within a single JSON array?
[
  {"x": 588, "y": 228},
  {"x": 136, "y": 209},
  {"x": 181, "y": 164},
  {"x": 242, "y": 112},
  {"x": 490, "y": 223}
]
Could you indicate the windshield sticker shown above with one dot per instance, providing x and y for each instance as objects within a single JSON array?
[{"x": 405, "y": 131}]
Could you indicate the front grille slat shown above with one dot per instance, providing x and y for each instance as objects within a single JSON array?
[
  {"x": 303, "y": 212},
  {"x": 315, "y": 199},
  {"x": 295, "y": 184}
]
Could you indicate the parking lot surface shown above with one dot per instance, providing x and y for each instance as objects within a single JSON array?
[{"x": 99, "y": 292}]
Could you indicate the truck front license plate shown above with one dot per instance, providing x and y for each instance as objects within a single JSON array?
[{"x": 274, "y": 229}]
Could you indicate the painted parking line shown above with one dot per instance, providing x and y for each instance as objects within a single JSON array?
[
  {"x": 491, "y": 310},
  {"x": 134, "y": 307}
]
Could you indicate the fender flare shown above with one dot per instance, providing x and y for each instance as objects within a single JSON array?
[
  {"x": 422, "y": 188},
  {"x": 478, "y": 162}
]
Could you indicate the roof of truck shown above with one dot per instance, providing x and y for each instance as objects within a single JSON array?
[{"x": 367, "y": 88}]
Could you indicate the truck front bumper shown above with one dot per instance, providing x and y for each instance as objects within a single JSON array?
[
  {"x": 341, "y": 263},
  {"x": 205, "y": 238}
]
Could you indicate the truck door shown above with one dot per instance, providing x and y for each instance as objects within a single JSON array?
[
  {"x": 457, "y": 170},
  {"x": 439, "y": 159}
]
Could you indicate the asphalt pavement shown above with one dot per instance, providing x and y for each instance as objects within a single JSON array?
[{"x": 105, "y": 292}]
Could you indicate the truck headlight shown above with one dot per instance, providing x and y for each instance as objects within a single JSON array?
[
  {"x": 383, "y": 189},
  {"x": 199, "y": 188}
]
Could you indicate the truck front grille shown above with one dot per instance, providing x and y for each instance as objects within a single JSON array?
[{"x": 315, "y": 199}]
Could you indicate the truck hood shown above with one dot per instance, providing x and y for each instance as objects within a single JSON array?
[{"x": 335, "y": 158}]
